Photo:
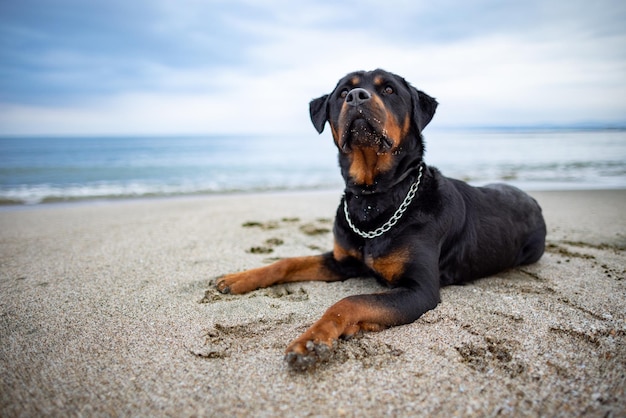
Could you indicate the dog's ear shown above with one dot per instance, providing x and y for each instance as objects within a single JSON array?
[
  {"x": 319, "y": 112},
  {"x": 424, "y": 107}
]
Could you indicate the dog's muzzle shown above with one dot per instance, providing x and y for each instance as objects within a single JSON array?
[{"x": 363, "y": 128}]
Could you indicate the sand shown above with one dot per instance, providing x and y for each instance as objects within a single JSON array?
[{"x": 108, "y": 309}]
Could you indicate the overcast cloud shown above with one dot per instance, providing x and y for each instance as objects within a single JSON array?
[{"x": 191, "y": 66}]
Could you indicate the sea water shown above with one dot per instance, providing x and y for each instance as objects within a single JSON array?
[{"x": 47, "y": 169}]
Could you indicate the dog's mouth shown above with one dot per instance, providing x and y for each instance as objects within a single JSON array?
[{"x": 365, "y": 132}]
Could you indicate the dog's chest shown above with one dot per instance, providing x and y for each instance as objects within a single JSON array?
[{"x": 389, "y": 264}]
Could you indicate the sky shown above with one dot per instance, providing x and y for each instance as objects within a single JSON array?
[{"x": 160, "y": 67}]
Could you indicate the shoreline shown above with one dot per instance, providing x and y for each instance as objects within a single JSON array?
[
  {"x": 155, "y": 196},
  {"x": 112, "y": 200},
  {"x": 63, "y": 202},
  {"x": 110, "y": 309}
]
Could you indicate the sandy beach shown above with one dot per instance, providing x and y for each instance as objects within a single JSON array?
[{"x": 109, "y": 309}]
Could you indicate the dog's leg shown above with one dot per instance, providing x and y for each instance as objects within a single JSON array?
[
  {"x": 295, "y": 269},
  {"x": 358, "y": 313}
]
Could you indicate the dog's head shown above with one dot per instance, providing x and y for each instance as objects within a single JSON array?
[{"x": 373, "y": 113}]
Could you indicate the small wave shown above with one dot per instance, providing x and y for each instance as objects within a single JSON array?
[{"x": 37, "y": 194}]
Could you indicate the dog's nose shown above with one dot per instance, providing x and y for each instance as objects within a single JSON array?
[{"x": 357, "y": 96}]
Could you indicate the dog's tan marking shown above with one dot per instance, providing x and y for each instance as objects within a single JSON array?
[
  {"x": 340, "y": 253},
  {"x": 367, "y": 163},
  {"x": 297, "y": 269},
  {"x": 346, "y": 317},
  {"x": 390, "y": 267},
  {"x": 394, "y": 131}
]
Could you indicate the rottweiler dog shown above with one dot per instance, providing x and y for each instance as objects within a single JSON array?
[{"x": 399, "y": 219}]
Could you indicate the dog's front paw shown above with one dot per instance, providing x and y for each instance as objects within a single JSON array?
[
  {"x": 222, "y": 285},
  {"x": 303, "y": 355},
  {"x": 237, "y": 283}
]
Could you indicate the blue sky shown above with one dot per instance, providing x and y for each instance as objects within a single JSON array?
[{"x": 235, "y": 66}]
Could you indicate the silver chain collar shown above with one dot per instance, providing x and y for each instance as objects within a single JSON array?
[{"x": 394, "y": 218}]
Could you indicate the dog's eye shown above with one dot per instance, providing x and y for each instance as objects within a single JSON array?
[
  {"x": 343, "y": 93},
  {"x": 388, "y": 90}
]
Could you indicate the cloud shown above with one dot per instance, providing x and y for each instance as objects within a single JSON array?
[{"x": 249, "y": 67}]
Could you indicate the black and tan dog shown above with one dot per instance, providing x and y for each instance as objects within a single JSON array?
[{"x": 400, "y": 220}]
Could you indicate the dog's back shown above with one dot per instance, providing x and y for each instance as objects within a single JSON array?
[{"x": 495, "y": 227}]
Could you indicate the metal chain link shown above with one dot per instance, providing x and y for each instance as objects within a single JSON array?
[{"x": 394, "y": 218}]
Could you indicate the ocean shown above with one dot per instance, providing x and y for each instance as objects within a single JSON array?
[{"x": 60, "y": 169}]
